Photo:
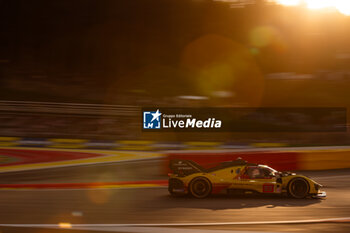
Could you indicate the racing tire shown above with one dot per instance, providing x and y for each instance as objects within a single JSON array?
[
  {"x": 174, "y": 184},
  {"x": 200, "y": 187},
  {"x": 298, "y": 188}
]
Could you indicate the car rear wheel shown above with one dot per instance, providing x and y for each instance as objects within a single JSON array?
[
  {"x": 200, "y": 187},
  {"x": 298, "y": 188},
  {"x": 176, "y": 187}
]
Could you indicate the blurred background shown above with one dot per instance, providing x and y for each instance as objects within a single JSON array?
[
  {"x": 75, "y": 74},
  {"x": 84, "y": 69}
]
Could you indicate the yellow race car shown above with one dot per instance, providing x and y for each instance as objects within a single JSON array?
[{"x": 238, "y": 176}]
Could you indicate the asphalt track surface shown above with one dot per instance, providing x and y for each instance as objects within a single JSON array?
[{"x": 155, "y": 206}]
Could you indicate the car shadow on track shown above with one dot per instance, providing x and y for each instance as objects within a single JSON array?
[{"x": 222, "y": 202}]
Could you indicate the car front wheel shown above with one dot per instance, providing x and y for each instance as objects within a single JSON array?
[{"x": 298, "y": 188}]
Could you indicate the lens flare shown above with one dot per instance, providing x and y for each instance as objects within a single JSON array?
[
  {"x": 319, "y": 4},
  {"x": 343, "y": 6},
  {"x": 289, "y": 2},
  {"x": 64, "y": 225}
]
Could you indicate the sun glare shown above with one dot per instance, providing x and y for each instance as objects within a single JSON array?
[
  {"x": 319, "y": 4},
  {"x": 343, "y": 6},
  {"x": 289, "y": 2}
]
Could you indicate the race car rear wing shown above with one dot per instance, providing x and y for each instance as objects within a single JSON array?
[{"x": 185, "y": 167}]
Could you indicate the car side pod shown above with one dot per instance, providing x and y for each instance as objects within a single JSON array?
[{"x": 321, "y": 194}]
